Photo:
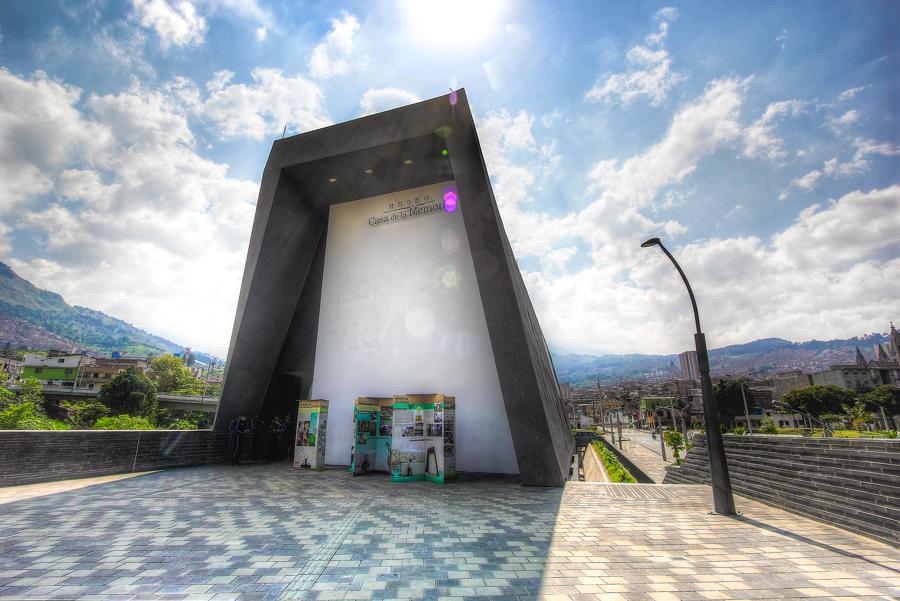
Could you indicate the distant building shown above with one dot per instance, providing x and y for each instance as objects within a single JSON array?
[
  {"x": 887, "y": 359},
  {"x": 852, "y": 377},
  {"x": 53, "y": 369},
  {"x": 690, "y": 366},
  {"x": 11, "y": 367},
  {"x": 101, "y": 370},
  {"x": 790, "y": 380}
]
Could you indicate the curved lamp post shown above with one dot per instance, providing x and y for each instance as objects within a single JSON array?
[{"x": 723, "y": 499}]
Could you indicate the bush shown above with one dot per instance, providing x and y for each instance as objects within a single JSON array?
[
  {"x": 166, "y": 418},
  {"x": 740, "y": 430},
  {"x": 22, "y": 416},
  {"x": 182, "y": 424},
  {"x": 767, "y": 426},
  {"x": 616, "y": 471},
  {"x": 124, "y": 422},
  {"x": 83, "y": 415}
]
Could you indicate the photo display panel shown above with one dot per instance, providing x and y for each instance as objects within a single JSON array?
[{"x": 401, "y": 314}]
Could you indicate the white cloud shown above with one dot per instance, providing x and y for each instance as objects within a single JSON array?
[
  {"x": 136, "y": 223},
  {"x": 697, "y": 130},
  {"x": 376, "y": 100},
  {"x": 851, "y": 93},
  {"x": 334, "y": 55},
  {"x": 176, "y": 24},
  {"x": 840, "y": 124},
  {"x": 760, "y": 139},
  {"x": 264, "y": 107},
  {"x": 649, "y": 73},
  {"x": 816, "y": 276},
  {"x": 261, "y": 34},
  {"x": 858, "y": 164}
]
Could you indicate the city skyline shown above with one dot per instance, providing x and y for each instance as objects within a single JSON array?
[{"x": 754, "y": 139}]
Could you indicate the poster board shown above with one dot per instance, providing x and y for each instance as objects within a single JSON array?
[
  {"x": 312, "y": 427},
  {"x": 372, "y": 429},
  {"x": 419, "y": 448}
]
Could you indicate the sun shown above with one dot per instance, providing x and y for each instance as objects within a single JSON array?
[{"x": 453, "y": 26}]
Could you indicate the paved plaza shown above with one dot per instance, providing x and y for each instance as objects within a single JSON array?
[{"x": 267, "y": 532}]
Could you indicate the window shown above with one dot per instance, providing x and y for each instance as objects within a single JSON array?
[{"x": 60, "y": 360}]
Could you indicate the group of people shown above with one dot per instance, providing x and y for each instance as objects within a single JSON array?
[{"x": 264, "y": 442}]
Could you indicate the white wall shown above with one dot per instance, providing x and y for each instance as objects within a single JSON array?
[{"x": 401, "y": 313}]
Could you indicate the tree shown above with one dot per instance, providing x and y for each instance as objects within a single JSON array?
[
  {"x": 818, "y": 399},
  {"x": 858, "y": 415},
  {"x": 169, "y": 373},
  {"x": 729, "y": 398},
  {"x": 887, "y": 396},
  {"x": 674, "y": 439},
  {"x": 130, "y": 392}
]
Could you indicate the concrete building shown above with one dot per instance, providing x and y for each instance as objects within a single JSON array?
[
  {"x": 790, "y": 380},
  {"x": 853, "y": 377},
  {"x": 377, "y": 266},
  {"x": 56, "y": 368},
  {"x": 690, "y": 366}
]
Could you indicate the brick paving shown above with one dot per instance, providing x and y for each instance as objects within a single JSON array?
[{"x": 266, "y": 532}]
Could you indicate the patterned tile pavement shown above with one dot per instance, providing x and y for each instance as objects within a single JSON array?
[{"x": 266, "y": 532}]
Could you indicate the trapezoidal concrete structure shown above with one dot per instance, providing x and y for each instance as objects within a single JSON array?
[{"x": 378, "y": 265}]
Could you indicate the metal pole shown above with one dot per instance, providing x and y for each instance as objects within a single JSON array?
[
  {"x": 723, "y": 498},
  {"x": 746, "y": 410},
  {"x": 662, "y": 444},
  {"x": 619, "y": 425}
]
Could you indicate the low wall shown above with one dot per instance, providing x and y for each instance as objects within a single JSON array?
[
  {"x": 592, "y": 464},
  {"x": 28, "y": 456},
  {"x": 850, "y": 482}
]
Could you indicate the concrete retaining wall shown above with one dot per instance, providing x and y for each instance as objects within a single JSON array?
[
  {"x": 592, "y": 464},
  {"x": 854, "y": 483},
  {"x": 28, "y": 456}
]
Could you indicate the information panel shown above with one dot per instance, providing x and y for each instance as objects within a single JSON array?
[
  {"x": 373, "y": 427},
  {"x": 423, "y": 425},
  {"x": 312, "y": 427}
]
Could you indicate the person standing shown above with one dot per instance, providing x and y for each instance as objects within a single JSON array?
[{"x": 240, "y": 426}]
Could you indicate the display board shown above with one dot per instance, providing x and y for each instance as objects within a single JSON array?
[
  {"x": 312, "y": 428},
  {"x": 373, "y": 426},
  {"x": 423, "y": 444}
]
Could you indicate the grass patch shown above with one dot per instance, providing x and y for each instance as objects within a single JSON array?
[
  {"x": 617, "y": 472},
  {"x": 818, "y": 433}
]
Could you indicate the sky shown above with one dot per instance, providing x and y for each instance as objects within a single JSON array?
[{"x": 759, "y": 140}]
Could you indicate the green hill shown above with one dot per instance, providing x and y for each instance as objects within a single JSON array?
[{"x": 40, "y": 319}]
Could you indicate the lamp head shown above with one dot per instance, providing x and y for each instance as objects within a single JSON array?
[{"x": 650, "y": 242}]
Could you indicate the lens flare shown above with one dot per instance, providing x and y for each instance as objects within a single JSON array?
[
  {"x": 444, "y": 153},
  {"x": 453, "y": 98},
  {"x": 451, "y": 200}
]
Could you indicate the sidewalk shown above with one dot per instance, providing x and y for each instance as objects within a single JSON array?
[{"x": 643, "y": 451}]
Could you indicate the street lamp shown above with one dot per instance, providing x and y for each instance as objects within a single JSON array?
[{"x": 723, "y": 499}]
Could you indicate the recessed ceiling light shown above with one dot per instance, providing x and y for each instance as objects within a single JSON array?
[
  {"x": 369, "y": 171},
  {"x": 408, "y": 162},
  {"x": 332, "y": 180}
]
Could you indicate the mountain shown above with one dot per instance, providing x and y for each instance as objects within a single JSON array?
[
  {"x": 764, "y": 356},
  {"x": 39, "y": 319}
]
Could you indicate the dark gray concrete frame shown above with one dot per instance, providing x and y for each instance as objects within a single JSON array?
[{"x": 271, "y": 358}]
